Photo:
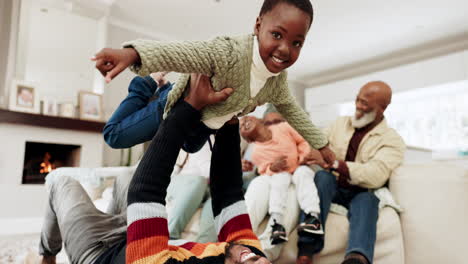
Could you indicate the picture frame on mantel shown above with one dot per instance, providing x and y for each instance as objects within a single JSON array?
[
  {"x": 90, "y": 106},
  {"x": 67, "y": 109},
  {"x": 24, "y": 97},
  {"x": 49, "y": 107}
]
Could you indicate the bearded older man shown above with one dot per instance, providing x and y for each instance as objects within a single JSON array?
[{"x": 367, "y": 152}]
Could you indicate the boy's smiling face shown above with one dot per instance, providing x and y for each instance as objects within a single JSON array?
[{"x": 281, "y": 33}]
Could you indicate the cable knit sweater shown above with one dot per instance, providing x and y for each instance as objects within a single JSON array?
[
  {"x": 147, "y": 232},
  {"x": 227, "y": 60}
]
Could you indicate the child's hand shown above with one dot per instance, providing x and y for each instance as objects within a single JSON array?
[
  {"x": 328, "y": 155},
  {"x": 314, "y": 157},
  {"x": 111, "y": 62},
  {"x": 279, "y": 165},
  {"x": 247, "y": 165},
  {"x": 201, "y": 92}
]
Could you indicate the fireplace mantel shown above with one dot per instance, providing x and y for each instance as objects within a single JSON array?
[
  {"x": 16, "y": 130},
  {"x": 12, "y": 117}
]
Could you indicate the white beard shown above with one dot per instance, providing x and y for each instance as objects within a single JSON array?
[{"x": 366, "y": 119}]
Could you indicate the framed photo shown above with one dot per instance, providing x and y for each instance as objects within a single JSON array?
[
  {"x": 49, "y": 107},
  {"x": 90, "y": 106},
  {"x": 24, "y": 97},
  {"x": 67, "y": 109}
]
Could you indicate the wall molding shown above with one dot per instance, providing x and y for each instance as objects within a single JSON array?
[
  {"x": 74, "y": 124},
  {"x": 13, "y": 28},
  {"x": 406, "y": 56}
]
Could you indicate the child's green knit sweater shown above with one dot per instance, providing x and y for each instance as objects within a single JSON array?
[{"x": 227, "y": 60}]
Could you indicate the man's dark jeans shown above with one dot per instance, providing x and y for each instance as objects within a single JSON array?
[{"x": 363, "y": 209}]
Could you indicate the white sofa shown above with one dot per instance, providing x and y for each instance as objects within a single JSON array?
[
  {"x": 435, "y": 221},
  {"x": 432, "y": 229}
]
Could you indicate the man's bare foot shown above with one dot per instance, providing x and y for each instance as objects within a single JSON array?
[{"x": 303, "y": 260}]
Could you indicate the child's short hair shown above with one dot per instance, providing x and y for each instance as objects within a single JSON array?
[{"x": 303, "y": 5}]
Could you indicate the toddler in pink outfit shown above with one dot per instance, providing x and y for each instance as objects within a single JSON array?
[{"x": 281, "y": 152}]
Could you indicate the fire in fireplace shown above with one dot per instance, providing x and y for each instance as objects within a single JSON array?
[
  {"x": 42, "y": 158},
  {"x": 46, "y": 165}
]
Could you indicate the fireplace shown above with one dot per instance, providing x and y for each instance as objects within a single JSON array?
[{"x": 41, "y": 158}]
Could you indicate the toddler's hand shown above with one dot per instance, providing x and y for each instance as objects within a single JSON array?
[
  {"x": 247, "y": 165},
  {"x": 314, "y": 157},
  {"x": 111, "y": 62},
  {"x": 279, "y": 165}
]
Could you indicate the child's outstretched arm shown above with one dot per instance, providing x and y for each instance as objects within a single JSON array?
[
  {"x": 111, "y": 62},
  {"x": 146, "y": 56},
  {"x": 300, "y": 121}
]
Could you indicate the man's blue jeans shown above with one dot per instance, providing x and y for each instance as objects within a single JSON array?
[
  {"x": 137, "y": 120},
  {"x": 363, "y": 209}
]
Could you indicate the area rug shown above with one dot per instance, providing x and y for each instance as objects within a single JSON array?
[{"x": 22, "y": 249}]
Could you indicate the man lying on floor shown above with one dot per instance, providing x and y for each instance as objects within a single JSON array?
[{"x": 147, "y": 233}]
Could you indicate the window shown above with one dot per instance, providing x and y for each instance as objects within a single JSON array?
[{"x": 433, "y": 117}]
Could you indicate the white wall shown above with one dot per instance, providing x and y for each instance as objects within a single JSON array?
[
  {"x": 54, "y": 51},
  {"x": 7, "y": 8},
  {"x": 298, "y": 91},
  {"x": 321, "y": 101},
  {"x": 4, "y": 37}
]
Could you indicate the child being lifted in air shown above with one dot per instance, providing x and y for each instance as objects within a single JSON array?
[{"x": 253, "y": 65}]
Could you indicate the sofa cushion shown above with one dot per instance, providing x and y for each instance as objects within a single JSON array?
[
  {"x": 434, "y": 198},
  {"x": 388, "y": 249},
  {"x": 191, "y": 230}
]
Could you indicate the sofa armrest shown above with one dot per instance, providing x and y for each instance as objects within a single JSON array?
[
  {"x": 434, "y": 197},
  {"x": 93, "y": 180}
]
